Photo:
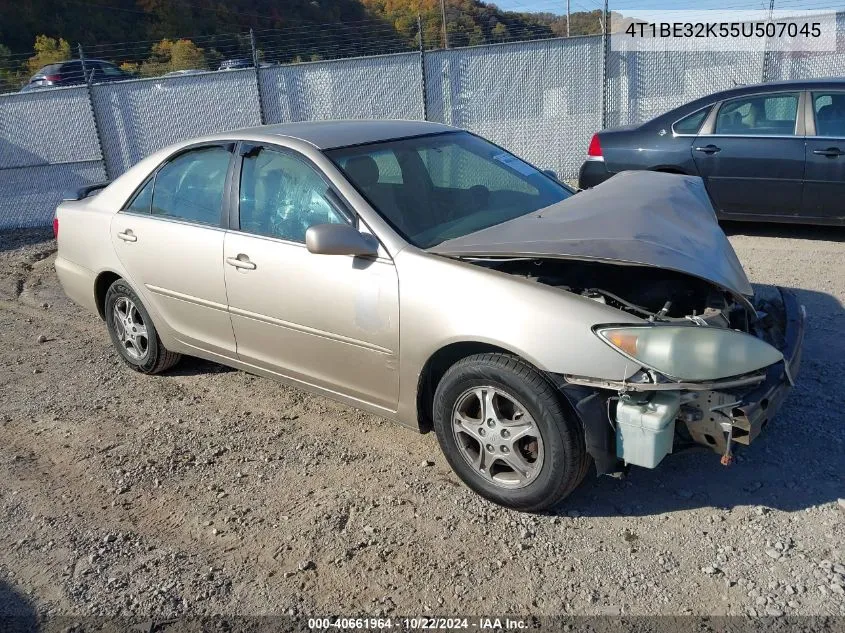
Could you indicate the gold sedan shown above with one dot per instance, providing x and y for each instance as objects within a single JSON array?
[{"x": 427, "y": 275}]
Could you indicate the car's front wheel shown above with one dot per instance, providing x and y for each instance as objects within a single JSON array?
[
  {"x": 506, "y": 432},
  {"x": 132, "y": 331}
]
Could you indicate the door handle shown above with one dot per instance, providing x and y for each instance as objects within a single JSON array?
[
  {"x": 241, "y": 261},
  {"x": 128, "y": 236},
  {"x": 708, "y": 149},
  {"x": 830, "y": 152}
]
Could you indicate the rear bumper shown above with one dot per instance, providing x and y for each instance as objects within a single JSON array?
[
  {"x": 592, "y": 173},
  {"x": 77, "y": 282},
  {"x": 759, "y": 405}
]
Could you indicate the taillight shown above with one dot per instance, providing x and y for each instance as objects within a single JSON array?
[
  {"x": 56, "y": 227},
  {"x": 594, "y": 150},
  {"x": 53, "y": 78}
]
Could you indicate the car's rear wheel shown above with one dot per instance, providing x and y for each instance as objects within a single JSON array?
[
  {"x": 507, "y": 433},
  {"x": 132, "y": 331}
]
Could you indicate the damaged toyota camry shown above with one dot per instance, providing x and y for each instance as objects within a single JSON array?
[{"x": 426, "y": 275}]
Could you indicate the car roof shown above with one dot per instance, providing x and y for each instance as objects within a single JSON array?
[
  {"x": 793, "y": 84},
  {"x": 835, "y": 83},
  {"x": 326, "y": 135},
  {"x": 75, "y": 62}
]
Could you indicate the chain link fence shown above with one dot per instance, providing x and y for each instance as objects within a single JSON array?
[
  {"x": 138, "y": 117},
  {"x": 381, "y": 87},
  {"x": 48, "y": 145},
  {"x": 540, "y": 99}
]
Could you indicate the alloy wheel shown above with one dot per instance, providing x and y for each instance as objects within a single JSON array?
[
  {"x": 130, "y": 329},
  {"x": 497, "y": 436}
]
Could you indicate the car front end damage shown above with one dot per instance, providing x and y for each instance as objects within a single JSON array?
[
  {"x": 709, "y": 358},
  {"x": 627, "y": 422}
]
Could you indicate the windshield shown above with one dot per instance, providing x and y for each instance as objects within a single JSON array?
[{"x": 439, "y": 187}]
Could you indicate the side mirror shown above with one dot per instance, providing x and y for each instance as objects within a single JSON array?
[
  {"x": 551, "y": 173},
  {"x": 339, "y": 239}
]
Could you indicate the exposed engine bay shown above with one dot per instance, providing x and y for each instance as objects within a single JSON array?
[
  {"x": 644, "y": 291},
  {"x": 649, "y": 416}
]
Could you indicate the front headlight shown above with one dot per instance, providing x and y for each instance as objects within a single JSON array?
[{"x": 690, "y": 353}]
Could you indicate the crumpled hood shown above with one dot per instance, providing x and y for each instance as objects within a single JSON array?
[{"x": 636, "y": 217}]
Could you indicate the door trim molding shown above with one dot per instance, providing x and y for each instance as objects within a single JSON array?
[
  {"x": 172, "y": 294},
  {"x": 308, "y": 330}
]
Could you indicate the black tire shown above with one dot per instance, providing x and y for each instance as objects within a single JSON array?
[
  {"x": 155, "y": 357},
  {"x": 565, "y": 460}
]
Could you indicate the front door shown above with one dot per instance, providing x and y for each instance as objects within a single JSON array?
[
  {"x": 824, "y": 175},
  {"x": 170, "y": 242},
  {"x": 753, "y": 162},
  {"x": 329, "y": 321}
]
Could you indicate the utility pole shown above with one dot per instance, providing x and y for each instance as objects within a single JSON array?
[
  {"x": 567, "y": 19},
  {"x": 443, "y": 19},
  {"x": 606, "y": 20}
]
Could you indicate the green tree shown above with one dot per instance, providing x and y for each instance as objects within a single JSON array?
[
  {"x": 48, "y": 50},
  {"x": 9, "y": 74},
  {"x": 168, "y": 55},
  {"x": 500, "y": 33}
]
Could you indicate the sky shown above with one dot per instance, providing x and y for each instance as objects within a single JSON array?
[{"x": 559, "y": 6}]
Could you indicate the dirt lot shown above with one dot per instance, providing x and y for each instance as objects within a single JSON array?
[{"x": 212, "y": 491}]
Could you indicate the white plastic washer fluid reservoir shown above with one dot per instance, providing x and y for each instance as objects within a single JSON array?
[{"x": 645, "y": 428}]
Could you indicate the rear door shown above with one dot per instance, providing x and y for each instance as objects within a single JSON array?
[
  {"x": 751, "y": 155},
  {"x": 824, "y": 177},
  {"x": 169, "y": 239}
]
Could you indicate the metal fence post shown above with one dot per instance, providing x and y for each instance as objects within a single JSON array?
[
  {"x": 422, "y": 69},
  {"x": 94, "y": 116},
  {"x": 767, "y": 54},
  {"x": 605, "y": 79},
  {"x": 256, "y": 64},
  {"x": 443, "y": 20}
]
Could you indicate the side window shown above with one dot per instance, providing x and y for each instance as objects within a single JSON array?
[
  {"x": 691, "y": 123},
  {"x": 143, "y": 200},
  {"x": 759, "y": 115},
  {"x": 829, "y": 108},
  {"x": 282, "y": 196},
  {"x": 109, "y": 70},
  {"x": 190, "y": 187}
]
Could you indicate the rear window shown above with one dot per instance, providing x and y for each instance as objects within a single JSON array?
[
  {"x": 72, "y": 71},
  {"x": 50, "y": 69}
]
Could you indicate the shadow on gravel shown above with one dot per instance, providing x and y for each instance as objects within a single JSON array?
[
  {"x": 18, "y": 238},
  {"x": 797, "y": 231},
  {"x": 795, "y": 464},
  {"x": 16, "y": 612},
  {"x": 192, "y": 366}
]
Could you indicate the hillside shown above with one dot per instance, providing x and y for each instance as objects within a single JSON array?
[
  {"x": 108, "y": 22},
  {"x": 153, "y": 37}
]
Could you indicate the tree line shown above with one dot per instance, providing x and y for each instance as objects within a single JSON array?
[{"x": 146, "y": 36}]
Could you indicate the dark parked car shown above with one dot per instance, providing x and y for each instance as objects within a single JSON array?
[
  {"x": 771, "y": 152},
  {"x": 71, "y": 72}
]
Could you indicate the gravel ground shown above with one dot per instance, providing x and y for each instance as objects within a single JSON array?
[{"x": 208, "y": 490}]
